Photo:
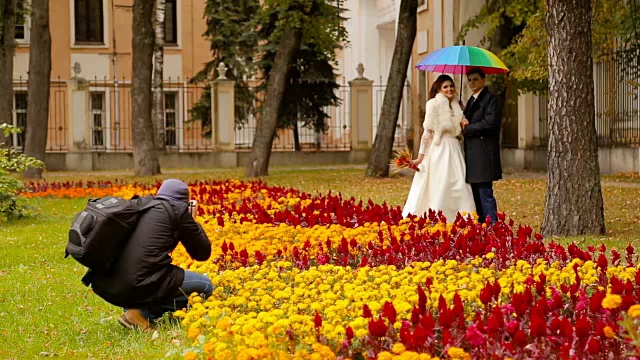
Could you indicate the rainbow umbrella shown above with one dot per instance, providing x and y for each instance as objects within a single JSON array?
[{"x": 459, "y": 59}]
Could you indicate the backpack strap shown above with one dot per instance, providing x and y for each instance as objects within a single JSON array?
[{"x": 172, "y": 217}]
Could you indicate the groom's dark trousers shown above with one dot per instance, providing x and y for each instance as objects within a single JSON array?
[{"x": 482, "y": 152}]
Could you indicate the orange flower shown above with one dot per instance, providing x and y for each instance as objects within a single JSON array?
[{"x": 402, "y": 160}]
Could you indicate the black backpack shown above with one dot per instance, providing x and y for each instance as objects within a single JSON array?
[{"x": 99, "y": 232}]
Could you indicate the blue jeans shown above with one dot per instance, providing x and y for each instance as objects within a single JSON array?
[
  {"x": 485, "y": 202},
  {"x": 193, "y": 282}
]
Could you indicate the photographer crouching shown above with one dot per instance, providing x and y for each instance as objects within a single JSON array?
[{"x": 142, "y": 279}]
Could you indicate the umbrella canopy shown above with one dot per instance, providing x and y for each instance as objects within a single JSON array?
[{"x": 460, "y": 59}]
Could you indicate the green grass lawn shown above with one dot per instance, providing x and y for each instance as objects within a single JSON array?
[{"x": 46, "y": 311}]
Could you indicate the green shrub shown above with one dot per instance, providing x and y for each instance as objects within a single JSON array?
[{"x": 12, "y": 161}]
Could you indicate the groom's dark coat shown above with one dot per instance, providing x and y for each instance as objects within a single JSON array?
[{"x": 482, "y": 139}]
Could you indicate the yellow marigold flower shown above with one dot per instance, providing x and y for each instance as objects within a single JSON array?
[
  {"x": 209, "y": 347},
  {"x": 193, "y": 333},
  {"x": 458, "y": 354},
  {"x": 608, "y": 332},
  {"x": 190, "y": 355},
  {"x": 224, "y": 323},
  {"x": 634, "y": 311},
  {"x": 398, "y": 348},
  {"x": 611, "y": 301},
  {"x": 385, "y": 355}
]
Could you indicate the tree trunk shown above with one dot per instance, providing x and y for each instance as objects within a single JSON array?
[
  {"x": 7, "y": 39},
  {"x": 296, "y": 138},
  {"x": 574, "y": 203},
  {"x": 276, "y": 85},
  {"x": 157, "y": 113},
  {"x": 38, "y": 88},
  {"x": 383, "y": 145},
  {"x": 145, "y": 156}
]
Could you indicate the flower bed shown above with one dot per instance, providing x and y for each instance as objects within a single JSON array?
[{"x": 321, "y": 276}]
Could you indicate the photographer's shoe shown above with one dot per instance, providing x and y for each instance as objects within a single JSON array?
[{"x": 133, "y": 319}]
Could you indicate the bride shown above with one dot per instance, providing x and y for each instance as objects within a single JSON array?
[{"x": 440, "y": 182}]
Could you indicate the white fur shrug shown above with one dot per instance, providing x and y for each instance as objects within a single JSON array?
[{"x": 442, "y": 117}]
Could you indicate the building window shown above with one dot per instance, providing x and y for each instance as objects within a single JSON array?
[
  {"x": 20, "y": 118},
  {"x": 170, "y": 22},
  {"x": 170, "y": 118},
  {"x": 89, "y": 21},
  {"x": 98, "y": 116},
  {"x": 21, "y": 23}
]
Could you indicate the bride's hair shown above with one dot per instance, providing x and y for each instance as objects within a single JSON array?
[{"x": 435, "y": 88}]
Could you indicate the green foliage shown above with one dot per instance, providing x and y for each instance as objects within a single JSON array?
[
  {"x": 249, "y": 55},
  {"x": 525, "y": 52},
  {"x": 12, "y": 161},
  {"x": 230, "y": 27},
  {"x": 628, "y": 50},
  {"x": 312, "y": 82}
]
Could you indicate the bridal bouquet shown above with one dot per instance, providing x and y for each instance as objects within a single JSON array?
[{"x": 402, "y": 159}]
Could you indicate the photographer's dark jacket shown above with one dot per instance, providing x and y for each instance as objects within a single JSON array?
[{"x": 143, "y": 273}]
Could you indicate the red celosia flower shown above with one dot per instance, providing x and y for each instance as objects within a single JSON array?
[
  {"x": 583, "y": 327},
  {"x": 428, "y": 323},
  {"x": 485, "y": 294},
  {"x": 389, "y": 311},
  {"x": 496, "y": 321},
  {"x": 512, "y": 327},
  {"x": 366, "y": 312},
  {"x": 593, "y": 346},
  {"x": 349, "y": 332},
  {"x": 378, "y": 328},
  {"x": 420, "y": 336},
  {"x": 415, "y": 316},
  {"x": 225, "y": 248},
  {"x": 557, "y": 302},
  {"x": 595, "y": 303},
  {"x": 495, "y": 290},
  {"x": 520, "y": 338},
  {"x": 602, "y": 262},
  {"x": 475, "y": 337},
  {"x": 446, "y": 337},
  {"x": 538, "y": 326},
  {"x": 458, "y": 307},
  {"x": 522, "y": 301},
  {"x": 422, "y": 300},
  {"x": 364, "y": 262},
  {"x": 317, "y": 321},
  {"x": 405, "y": 335},
  {"x": 599, "y": 328}
]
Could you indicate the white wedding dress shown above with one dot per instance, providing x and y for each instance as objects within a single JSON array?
[{"x": 440, "y": 182}]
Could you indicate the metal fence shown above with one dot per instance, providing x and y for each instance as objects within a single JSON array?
[
  {"x": 404, "y": 115},
  {"x": 110, "y": 116},
  {"x": 617, "y": 107},
  {"x": 57, "y": 129},
  {"x": 108, "y": 119},
  {"x": 335, "y": 137}
]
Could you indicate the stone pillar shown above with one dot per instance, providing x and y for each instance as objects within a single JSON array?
[
  {"x": 78, "y": 157},
  {"x": 361, "y": 111},
  {"x": 79, "y": 131},
  {"x": 223, "y": 111},
  {"x": 526, "y": 121}
]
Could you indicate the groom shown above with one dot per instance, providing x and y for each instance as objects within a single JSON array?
[{"x": 481, "y": 129}]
